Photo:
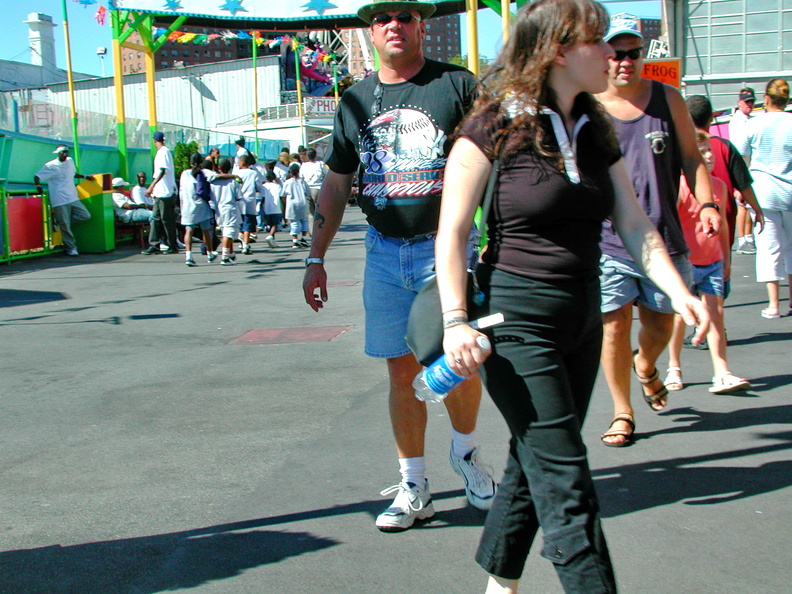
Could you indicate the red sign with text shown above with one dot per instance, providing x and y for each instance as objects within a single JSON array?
[{"x": 666, "y": 70}]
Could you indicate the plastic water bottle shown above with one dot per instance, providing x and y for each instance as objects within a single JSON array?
[{"x": 435, "y": 382}]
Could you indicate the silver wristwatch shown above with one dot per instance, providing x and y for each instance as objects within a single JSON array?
[{"x": 309, "y": 261}]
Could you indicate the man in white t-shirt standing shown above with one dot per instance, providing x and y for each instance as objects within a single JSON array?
[
  {"x": 163, "y": 190},
  {"x": 65, "y": 204}
]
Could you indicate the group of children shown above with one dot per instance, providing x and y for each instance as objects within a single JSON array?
[{"x": 237, "y": 198}]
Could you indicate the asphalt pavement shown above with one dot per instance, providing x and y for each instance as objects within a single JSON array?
[{"x": 201, "y": 429}]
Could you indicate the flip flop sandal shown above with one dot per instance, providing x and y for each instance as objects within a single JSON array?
[
  {"x": 655, "y": 399},
  {"x": 673, "y": 381},
  {"x": 628, "y": 435}
]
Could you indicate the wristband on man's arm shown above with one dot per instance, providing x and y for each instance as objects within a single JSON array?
[{"x": 710, "y": 205}]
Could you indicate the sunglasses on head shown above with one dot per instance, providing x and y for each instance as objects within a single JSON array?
[
  {"x": 633, "y": 54},
  {"x": 405, "y": 18}
]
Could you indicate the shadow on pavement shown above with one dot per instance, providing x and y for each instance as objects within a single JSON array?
[
  {"x": 152, "y": 563},
  {"x": 636, "y": 487},
  {"x": 17, "y": 297}
]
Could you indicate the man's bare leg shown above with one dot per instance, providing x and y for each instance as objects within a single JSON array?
[
  {"x": 408, "y": 414},
  {"x": 656, "y": 329},
  {"x": 616, "y": 361}
]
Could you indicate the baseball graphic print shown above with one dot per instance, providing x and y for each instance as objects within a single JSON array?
[{"x": 402, "y": 155}]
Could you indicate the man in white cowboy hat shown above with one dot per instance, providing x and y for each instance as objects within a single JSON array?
[
  {"x": 392, "y": 129},
  {"x": 66, "y": 206},
  {"x": 127, "y": 210}
]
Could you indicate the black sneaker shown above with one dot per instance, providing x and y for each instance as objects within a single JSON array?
[
  {"x": 151, "y": 250},
  {"x": 172, "y": 251}
]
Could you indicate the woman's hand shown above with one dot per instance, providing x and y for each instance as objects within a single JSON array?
[
  {"x": 695, "y": 313},
  {"x": 464, "y": 354}
]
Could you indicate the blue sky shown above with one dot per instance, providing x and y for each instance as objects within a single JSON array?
[{"x": 86, "y": 35}]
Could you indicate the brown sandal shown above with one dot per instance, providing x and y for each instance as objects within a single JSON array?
[
  {"x": 628, "y": 435},
  {"x": 654, "y": 400}
]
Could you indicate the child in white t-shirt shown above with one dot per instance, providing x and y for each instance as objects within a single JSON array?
[
  {"x": 296, "y": 192},
  {"x": 271, "y": 208}
]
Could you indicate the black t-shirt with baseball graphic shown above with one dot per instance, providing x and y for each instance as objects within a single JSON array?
[{"x": 397, "y": 136}]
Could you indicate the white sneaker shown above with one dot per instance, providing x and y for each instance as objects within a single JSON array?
[
  {"x": 227, "y": 262},
  {"x": 479, "y": 485},
  {"x": 211, "y": 256},
  {"x": 72, "y": 252},
  {"x": 189, "y": 262},
  {"x": 180, "y": 244},
  {"x": 412, "y": 503},
  {"x": 270, "y": 241}
]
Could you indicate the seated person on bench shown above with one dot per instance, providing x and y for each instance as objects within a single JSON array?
[{"x": 126, "y": 211}]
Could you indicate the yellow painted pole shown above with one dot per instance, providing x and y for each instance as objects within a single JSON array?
[
  {"x": 70, "y": 80},
  {"x": 298, "y": 76},
  {"x": 152, "y": 97},
  {"x": 472, "y": 28},
  {"x": 118, "y": 84},
  {"x": 506, "y": 18}
]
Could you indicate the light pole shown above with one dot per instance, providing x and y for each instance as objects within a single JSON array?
[{"x": 101, "y": 52}]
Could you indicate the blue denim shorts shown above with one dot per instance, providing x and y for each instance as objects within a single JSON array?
[
  {"x": 204, "y": 225},
  {"x": 709, "y": 279},
  {"x": 249, "y": 223},
  {"x": 622, "y": 282},
  {"x": 396, "y": 269}
]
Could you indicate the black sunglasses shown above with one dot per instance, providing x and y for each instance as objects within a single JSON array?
[
  {"x": 633, "y": 54},
  {"x": 405, "y": 18}
]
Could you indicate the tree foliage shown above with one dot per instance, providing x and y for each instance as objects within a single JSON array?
[{"x": 181, "y": 156}]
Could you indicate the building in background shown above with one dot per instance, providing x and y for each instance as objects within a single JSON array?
[
  {"x": 728, "y": 44},
  {"x": 43, "y": 69},
  {"x": 443, "y": 40},
  {"x": 178, "y": 55}
]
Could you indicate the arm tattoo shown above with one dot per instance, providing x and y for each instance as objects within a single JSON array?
[{"x": 319, "y": 219}]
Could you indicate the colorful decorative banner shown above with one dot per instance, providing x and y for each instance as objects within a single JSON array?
[{"x": 298, "y": 10}]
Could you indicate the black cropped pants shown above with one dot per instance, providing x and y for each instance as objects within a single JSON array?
[{"x": 540, "y": 375}]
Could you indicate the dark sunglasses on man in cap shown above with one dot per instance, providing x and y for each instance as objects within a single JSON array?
[
  {"x": 633, "y": 54},
  {"x": 405, "y": 18}
]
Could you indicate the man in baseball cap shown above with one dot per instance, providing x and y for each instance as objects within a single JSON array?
[
  {"x": 658, "y": 142},
  {"x": 64, "y": 202},
  {"x": 127, "y": 211},
  {"x": 393, "y": 128},
  {"x": 163, "y": 191}
]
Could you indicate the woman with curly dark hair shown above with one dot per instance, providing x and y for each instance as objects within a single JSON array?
[{"x": 561, "y": 175}]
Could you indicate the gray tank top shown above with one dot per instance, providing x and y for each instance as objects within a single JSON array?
[{"x": 654, "y": 163}]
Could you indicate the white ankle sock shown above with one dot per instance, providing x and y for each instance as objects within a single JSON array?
[
  {"x": 462, "y": 443},
  {"x": 225, "y": 252},
  {"x": 413, "y": 470}
]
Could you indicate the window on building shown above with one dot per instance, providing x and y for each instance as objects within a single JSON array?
[
  {"x": 218, "y": 54},
  {"x": 174, "y": 53},
  {"x": 164, "y": 64},
  {"x": 428, "y": 48},
  {"x": 185, "y": 53},
  {"x": 428, "y": 37}
]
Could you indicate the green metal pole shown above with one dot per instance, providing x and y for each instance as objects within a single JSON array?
[
  {"x": 255, "y": 91},
  {"x": 70, "y": 80}
]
